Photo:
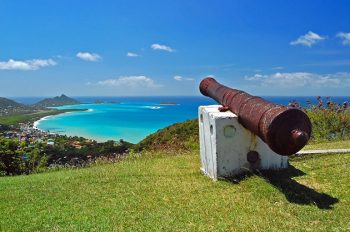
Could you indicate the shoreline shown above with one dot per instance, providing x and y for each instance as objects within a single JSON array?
[
  {"x": 66, "y": 111},
  {"x": 69, "y": 111},
  {"x": 96, "y": 128},
  {"x": 16, "y": 119}
]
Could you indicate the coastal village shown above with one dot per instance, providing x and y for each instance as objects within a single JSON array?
[
  {"x": 26, "y": 132},
  {"x": 25, "y": 149}
]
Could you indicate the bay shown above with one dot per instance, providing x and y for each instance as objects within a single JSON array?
[{"x": 133, "y": 118}]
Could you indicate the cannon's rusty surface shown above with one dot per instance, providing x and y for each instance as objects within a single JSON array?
[{"x": 286, "y": 130}]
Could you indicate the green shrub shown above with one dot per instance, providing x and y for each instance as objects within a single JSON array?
[
  {"x": 330, "y": 120},
  {"x": 24, "y": 158},
  {"x": 10, "y": 158}
]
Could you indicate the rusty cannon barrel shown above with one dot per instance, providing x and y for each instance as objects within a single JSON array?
[{"x": 286, "y": 130}]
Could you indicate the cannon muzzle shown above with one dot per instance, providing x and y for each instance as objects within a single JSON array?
[{"x": 285, "y": 130}]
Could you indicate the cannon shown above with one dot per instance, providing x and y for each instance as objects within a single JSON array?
[{"x": 284, "y": 129}]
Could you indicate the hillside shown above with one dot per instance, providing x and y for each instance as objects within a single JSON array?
[
  {"x": 5, "y": 102},
  {"x": 57, "y": 101},
  {"x": 9, "y": 107},
  {"x": 162, "y": 189},
  {"x": 157, "y": 192},
  {"x": 179, "y": 136},
  {"x": 31, "y": 116}
]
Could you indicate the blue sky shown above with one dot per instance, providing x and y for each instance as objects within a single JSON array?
[{"x": 123, "y": 48}]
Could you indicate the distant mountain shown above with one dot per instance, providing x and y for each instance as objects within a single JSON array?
[
  {"x": 57, "y": 101},
  {"x": 5, "y": 103}
]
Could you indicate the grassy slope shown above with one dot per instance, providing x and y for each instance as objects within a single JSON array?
[
  {"x": 5, "y": 102},
  {"x": 168, "y": 193},
  {"x": 179, "y": 136}
]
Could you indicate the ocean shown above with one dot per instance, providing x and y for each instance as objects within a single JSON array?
[{"x": 132, "y": 118}]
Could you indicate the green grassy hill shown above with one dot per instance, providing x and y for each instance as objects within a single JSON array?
[
  {"x": 5, "y": 102},
  {"x": 57, "y": 101},
  {"x": 157, "y": 192},
  {"x": 162, "y": 189},
  {"x": 179, "y": 136},
  {"x": 21, "y": 118}
]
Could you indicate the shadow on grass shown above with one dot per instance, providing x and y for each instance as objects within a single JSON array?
[{"x": 294, "y": 191}]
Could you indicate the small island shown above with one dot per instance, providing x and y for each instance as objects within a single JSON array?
[
  {"x": 62, "y": 100},
  {"x": 168, "y": 103},
  {"x": 104, "y": 102}
]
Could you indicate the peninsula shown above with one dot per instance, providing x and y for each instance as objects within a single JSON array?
[
  {"x": 57, "y": 101},
  {"x": 12, "y": 113}
]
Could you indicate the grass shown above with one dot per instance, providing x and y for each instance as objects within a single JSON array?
[
  {"x": 179, "y": 136},
  {"x": 21, "y": 118},
  {"x": 166, "y": 192},
  {"x": 342, "y": 144}
]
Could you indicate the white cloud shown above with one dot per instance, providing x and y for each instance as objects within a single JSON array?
[
  {"x": 180, "y": 78},
  {"x": 345, "y": 37},
  {"x": 131, "y": 54},
  {"x": 256, "y": 77},
  {"x": 130, "y": 81},
  {"x": 34, "y": 64},
  {"x": 308, "y": 39},
  {"x": 63, "y": 57},
  {"x": 301, "y": 79},
  {"x": 88, "y": 56},
  {"x": 162, "y": 47}
]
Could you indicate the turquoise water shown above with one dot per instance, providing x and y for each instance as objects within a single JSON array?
[{"x": 133, "y": 118}]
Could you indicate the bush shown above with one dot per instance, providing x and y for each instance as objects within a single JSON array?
[
  {"x": 24, "y": 158},
  {"x": 11, "y": 160},
  {"x": 330, "y": 120}
]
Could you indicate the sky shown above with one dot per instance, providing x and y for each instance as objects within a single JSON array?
[{"x": 166, "y": 47}]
